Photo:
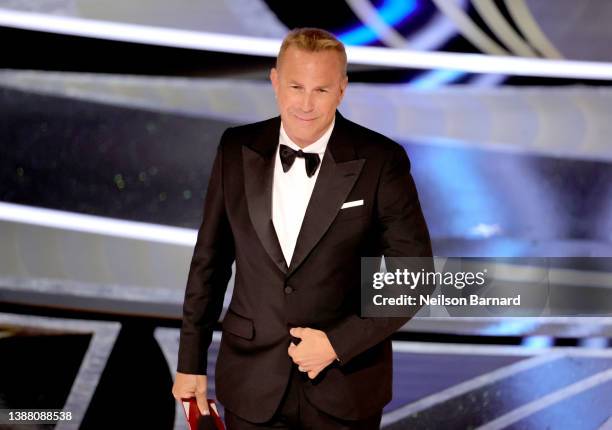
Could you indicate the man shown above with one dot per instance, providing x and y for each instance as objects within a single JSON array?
[{"x": 296, "y": 201}]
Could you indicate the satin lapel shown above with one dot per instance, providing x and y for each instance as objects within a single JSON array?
[
  {"x": 339, "y": 172},
  {"x": 258, "y": 164}
]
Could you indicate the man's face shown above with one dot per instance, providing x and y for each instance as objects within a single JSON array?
[{"x": 308, "y": 86}]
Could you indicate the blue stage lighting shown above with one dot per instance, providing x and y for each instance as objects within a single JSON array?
[
  {"x": 435, "y": 78},
  {"x": 537, "y": 342},
  {"x": 391, "y": 11}
]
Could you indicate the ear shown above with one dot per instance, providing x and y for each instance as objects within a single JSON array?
[
  {"x": 343, "y": 85},
  {"x": 274, "y": 79}
]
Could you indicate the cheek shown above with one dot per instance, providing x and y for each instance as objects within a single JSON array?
[
  {"x": 328, "y": 107},
  {"x": 287, "y": 102}
]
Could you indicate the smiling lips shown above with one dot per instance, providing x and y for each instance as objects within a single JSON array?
[{"x": 305, "y": 119}]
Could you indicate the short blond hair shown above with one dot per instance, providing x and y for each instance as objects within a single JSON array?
[{"x": 312, "y": 40}]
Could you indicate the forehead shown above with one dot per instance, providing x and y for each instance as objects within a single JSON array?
[{"x": 315, "y": 64}]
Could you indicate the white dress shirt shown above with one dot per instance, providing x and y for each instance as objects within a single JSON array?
[{"x": 292, "y": 190}]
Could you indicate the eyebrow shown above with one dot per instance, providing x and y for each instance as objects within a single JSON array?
[{"x": 321, "y": 87}]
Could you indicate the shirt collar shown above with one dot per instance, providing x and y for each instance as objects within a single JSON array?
[{"x": 317, "y": 146}]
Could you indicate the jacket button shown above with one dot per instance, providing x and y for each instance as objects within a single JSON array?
[{"x": 288, "y": 289}]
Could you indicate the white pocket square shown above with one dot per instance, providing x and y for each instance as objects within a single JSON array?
[{"x": 352, "y": 204}]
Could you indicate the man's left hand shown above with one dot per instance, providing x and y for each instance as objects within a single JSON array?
[{"x": 314, "y": 353}]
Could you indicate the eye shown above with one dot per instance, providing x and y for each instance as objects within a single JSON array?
[
  {"x": 295, "y": 87},
  {"x": 322, "y": 90}
]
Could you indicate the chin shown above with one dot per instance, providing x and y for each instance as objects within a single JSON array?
[
  {"x": 304, "y": 130},
  {"x": 304, "y": 138}
]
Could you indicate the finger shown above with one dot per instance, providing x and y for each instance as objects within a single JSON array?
[
  {"x": 180, "y": 395},
  {"x": 180, "y": 392},
  {"x": 291, "y": 349},
  {"x": 311, "y": 364},
  {"x": 315, "y": 370},
  {"x": 296, "y": 331},
  {"x": 312, "y": 360},
  {"x": 315, "y": 364},
  {"x": 202, "y": 403}
]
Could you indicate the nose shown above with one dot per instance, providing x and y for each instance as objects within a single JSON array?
[{"x": 307, "y": 104}]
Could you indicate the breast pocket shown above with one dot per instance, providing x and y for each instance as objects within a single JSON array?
[{"x": 354, "y": 212}]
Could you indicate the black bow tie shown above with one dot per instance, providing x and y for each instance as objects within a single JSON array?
[{"x": 287, "y": 156}]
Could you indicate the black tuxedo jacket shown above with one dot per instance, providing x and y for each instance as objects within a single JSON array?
[{"x": 321, "y": 286}]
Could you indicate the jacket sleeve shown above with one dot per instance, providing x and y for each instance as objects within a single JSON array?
[
  {"x": 209, "y": 273},
  {"x": 403, "y": 233}
]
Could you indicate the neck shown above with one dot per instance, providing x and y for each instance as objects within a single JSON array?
[{"x": 303, "y": 144}]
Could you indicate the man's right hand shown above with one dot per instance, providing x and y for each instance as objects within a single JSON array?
[{"x": 187, "y": 386}]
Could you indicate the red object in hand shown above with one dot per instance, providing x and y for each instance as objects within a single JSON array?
[{"x": 197, "y": 421}]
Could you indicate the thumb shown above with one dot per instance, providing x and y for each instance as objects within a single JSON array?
[
  {"x": 296, "y": 332},
  {"x": 202, "y": 403}
]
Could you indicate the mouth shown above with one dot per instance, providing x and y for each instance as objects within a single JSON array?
[{"x": 304, "y": 119}]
